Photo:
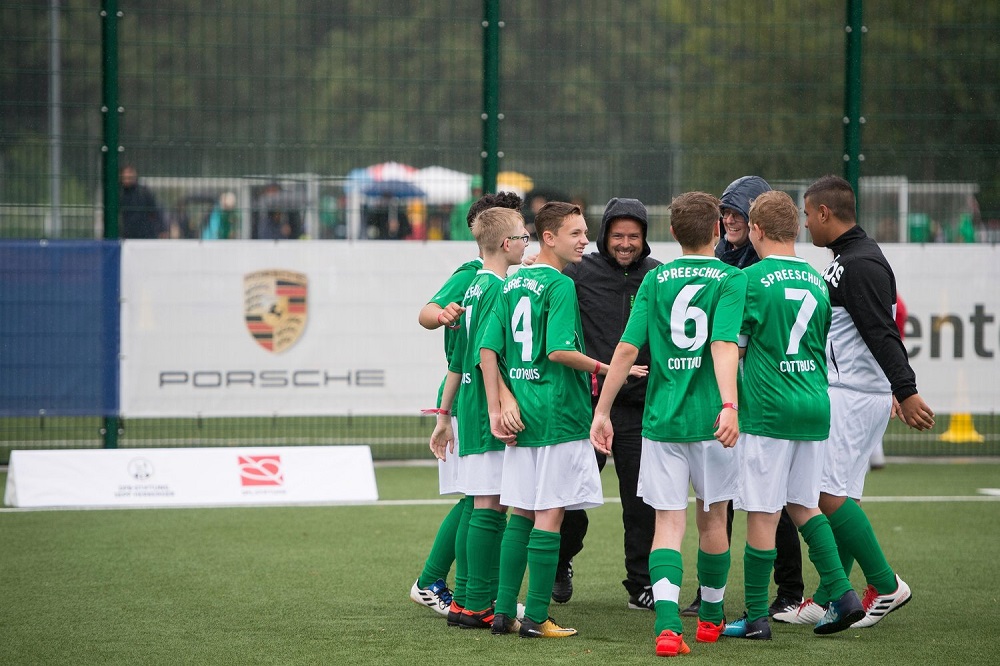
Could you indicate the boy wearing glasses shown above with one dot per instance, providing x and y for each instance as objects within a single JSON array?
[
  {"x": 444, "y": 309},
  {"x": 534, "y": 342},
  {"x": 502, "y": 240}
]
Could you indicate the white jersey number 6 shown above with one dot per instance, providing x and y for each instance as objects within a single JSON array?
[{"x": 682, "y": 312}]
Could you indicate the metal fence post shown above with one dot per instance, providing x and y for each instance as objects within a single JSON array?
[
  {"x": 491, "y": 94},
  {"x": 853, "y": 120},
  {"x": 110, "y": 111}
]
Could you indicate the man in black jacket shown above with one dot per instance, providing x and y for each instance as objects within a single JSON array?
[
  {"x": 870, "y": 379},
  {"x": 606, "y": 285},
  {"x": 140, "y": 214}
]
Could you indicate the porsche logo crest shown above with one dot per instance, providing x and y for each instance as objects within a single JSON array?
[{"x": 275, "y": 307}]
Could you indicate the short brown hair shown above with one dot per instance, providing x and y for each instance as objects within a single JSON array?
[
  {"x": 550, "y": 217},
  {"x": 836, "y": 194},
  {"x": 776, "y": 215},
  {"x": 694, "y": 217},
  {"x": 492, "y": 226}
]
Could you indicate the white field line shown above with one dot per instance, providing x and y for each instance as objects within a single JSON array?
[{"x": 989, "y": 495}]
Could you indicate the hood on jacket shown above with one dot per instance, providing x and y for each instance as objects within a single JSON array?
[
  {"x": 617, "y": 208},
  {"x": 741, "y": 192}
]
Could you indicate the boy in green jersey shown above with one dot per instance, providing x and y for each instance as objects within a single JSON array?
[
  {"x": 502, "y": 240},
  {"x": 534, "y": 334},
  {"x": 689, "y": 312},
  {"x": 444, "y": 309},
  {"x": 785, "y": 416}
]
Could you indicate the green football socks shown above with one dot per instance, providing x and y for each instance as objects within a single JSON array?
[
  {"x": 666, "y": 572},
  {"x": 442, "y": 553},
  {"x": 461, "y": 552},
  {"x": 482, "y": 555},
  {"x": 757, "y": 567},
  {"x": 825, "y": 557},
  {"x": 543, "y": 558},
  {"x": 852, "y": 528},
  {"x": 495, "y": 568},
  {"x": 713, "y": 572},
  {"x": 513, "y": 562}
]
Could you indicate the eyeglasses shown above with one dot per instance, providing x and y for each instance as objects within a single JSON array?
[
  {"x": 728, "y": 212},
  {"x": 524, "y": 238}
]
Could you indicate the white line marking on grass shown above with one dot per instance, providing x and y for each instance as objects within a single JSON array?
[{"x": 990, "y": 495}]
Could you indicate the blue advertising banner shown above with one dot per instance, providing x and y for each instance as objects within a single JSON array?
[{"x": 59, "y": 328}]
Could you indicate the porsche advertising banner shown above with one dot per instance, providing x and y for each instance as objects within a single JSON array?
[
  {"x": 330, "y": 328},
  {"x": 252, "y": 328}
]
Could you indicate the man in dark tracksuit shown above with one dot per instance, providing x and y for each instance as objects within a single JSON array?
[{"x": 606, "y": 285}]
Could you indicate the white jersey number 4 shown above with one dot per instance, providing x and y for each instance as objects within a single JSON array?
[{"x": 520, "y": 327}]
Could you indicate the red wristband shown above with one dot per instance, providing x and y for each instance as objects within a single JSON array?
[
  {"x": 593, "y": 384},
  {"x": 730, "y": 405},
  {"x": 441, "y": 323},
  {"x": 446, "y": 412},
  {"x": 597, "y": 370}
]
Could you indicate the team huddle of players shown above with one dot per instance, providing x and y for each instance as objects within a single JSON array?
[{"x": 738, "y": 406}]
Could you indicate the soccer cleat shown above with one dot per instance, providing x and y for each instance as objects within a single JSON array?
[
  {"x": 454, "y": 614},
  {"x": 669, "y": 644},
  {"x": 437, "y": 597},
  {"x": 877, "y": 606},
  {"x": 841, "y": 614},
  {"x": 783, "y": 605},
  {"x": 643, "y": 600},
  {"x": 547, "y": 629},
  {"x": 694, "y": 608},
  {"x": 481, "y": 620},
  {"x": 709, "y": 632},
  {"x": 808, "y": 612},
  {"x": 758, "y": 630},
  {"x": 562, "y": 588},
  {"x": 504, "y": 624}
]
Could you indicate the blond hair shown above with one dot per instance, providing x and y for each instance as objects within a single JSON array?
[
  {"x": 492, "y": 226},
  {"x": 776, "y": 215}
]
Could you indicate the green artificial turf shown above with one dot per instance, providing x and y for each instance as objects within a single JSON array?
[{"x": 329, "y": 585}]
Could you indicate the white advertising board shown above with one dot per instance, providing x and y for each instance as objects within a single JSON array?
[
  {"x": 190, "y": 477},
  {"x": 290, "y": 328},
  {"x": 197, "y": 319}
]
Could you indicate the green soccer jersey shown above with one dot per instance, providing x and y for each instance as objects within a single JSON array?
[
  {"x": 473, "y": 414},
  {"x": 682, "y": 308},
  {"x": 783, "y": 384},
  {"x": 536, "y": 314},
  {"x": 453, "y": 291}
]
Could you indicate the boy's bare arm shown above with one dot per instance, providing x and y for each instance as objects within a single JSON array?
[{"x": 726, "y": 357}]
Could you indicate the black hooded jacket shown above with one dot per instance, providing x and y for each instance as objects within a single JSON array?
[
  {"x": 606, "y": 292},
  {"x": 738, "y": 196}
]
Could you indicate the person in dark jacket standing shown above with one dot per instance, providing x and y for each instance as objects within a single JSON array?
[
  {"x": 606, "y": 284},
  {"x": 735, "y": 249},
  {"x": 140, "y": 214}
]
